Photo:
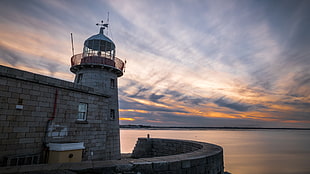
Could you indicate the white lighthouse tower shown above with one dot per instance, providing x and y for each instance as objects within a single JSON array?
[{"x": 99, "y": 68}]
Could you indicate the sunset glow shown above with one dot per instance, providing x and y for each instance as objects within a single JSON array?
[
  {"x": 127, "y": 119},
  {"x": 189, "y": 63}
]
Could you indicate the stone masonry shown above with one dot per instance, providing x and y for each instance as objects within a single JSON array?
[
  {"x": 200, "y": 158},
  {"x": 37, "y": 109}
]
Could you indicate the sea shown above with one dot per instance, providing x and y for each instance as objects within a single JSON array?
[{"x": 246, "y": 151}]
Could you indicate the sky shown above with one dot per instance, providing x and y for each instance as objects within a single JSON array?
[{"x": 189, "y": 62}]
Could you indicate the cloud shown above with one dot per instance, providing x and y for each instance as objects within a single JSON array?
[
  {"x": 17, "y": 59},
  {"x": 201, "y": 62},
  {"x": 155, "y": 98},
  {"x": 193, "y": 101},
  {"x": 9, "y": 56},
  {"x": 232, "y": 105},
  {"x": 148, "y": 106}
]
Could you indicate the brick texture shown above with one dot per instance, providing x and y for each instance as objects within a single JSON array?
[{"x": 27, "y": 103}]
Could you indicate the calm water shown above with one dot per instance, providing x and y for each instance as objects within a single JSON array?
[{"x": 245, "y": 151}]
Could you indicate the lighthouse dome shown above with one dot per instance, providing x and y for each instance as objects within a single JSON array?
[{"x": 99, "y": 44}]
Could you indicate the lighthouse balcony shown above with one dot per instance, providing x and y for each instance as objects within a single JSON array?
[{"x": 93, "y": 60}]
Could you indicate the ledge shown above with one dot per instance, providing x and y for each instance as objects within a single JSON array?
[
  {"x": 45, "y": 80},
  {"x": 208, "y": 158},
  {"x": 81, "y": 121}
]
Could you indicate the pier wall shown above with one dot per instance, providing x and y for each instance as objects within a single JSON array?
[
  {"x": 146, "y": 147},
  {"x": 199, "y": 158},
  {"x": 179, "y": 156}
]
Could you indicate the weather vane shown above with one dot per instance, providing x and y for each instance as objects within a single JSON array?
[{"x": 104, "y": 25}]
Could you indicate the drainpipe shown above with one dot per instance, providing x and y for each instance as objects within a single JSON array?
[
  {"x": 55, "y": 106},
  {"x": 45, "y": 148}
]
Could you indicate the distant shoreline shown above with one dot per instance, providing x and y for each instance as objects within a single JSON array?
[{"x": 205, "y": 128}]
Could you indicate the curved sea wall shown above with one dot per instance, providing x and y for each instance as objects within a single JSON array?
[
  {"x": 150, "y": 156},
  {"x": 179, "y": 156},
  {"x": 147, "y": 147}
]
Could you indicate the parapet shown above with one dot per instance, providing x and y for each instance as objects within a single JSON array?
[
  {"x": 147, "y": 147},
  {"x": 163, "y": 156},
  {"x": 179, "y": 156},
  {"x": 20, "y": 75}
]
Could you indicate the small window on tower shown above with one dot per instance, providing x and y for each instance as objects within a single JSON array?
[
  {"x": 79, "y": 78},
  {"x": 112, "y": 114},
  {"x": 112, "y": 83},
  {"x": 82, "y": 112}
]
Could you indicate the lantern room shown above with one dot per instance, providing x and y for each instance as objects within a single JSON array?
[{"x": 99, "y": 45}]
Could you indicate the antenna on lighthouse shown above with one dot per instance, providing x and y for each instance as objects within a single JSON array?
[
  {"x": 108, "y": 23},
  {"x": 72, "y": 45}
]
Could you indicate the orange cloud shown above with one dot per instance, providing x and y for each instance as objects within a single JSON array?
[
  {"x": 61, "y": 75},
  {"x": 126, "y": 119},
  {"x": 283, "y": 107},
  {"x": 133, "y": 110},
  {"x": 147, "y": 102},
  {"x": 36, "y": 45},
  {"x": 295, "y": 121},
  {"x": 154, "y": 121}
]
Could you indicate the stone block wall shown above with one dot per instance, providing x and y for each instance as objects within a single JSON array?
[
  {"x": 178, "y": 156},
  {"x": 147, "y": 147},
  {"x": 207, "y": 159},
  {"x": 36, "y": 109}
]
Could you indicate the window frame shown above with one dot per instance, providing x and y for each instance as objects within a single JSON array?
[
  {"x": 112, "y": 114},
  {"x": 79, "y": 77},
  {"x": 112, "y": 83},
  {"x": 82, "y": 109}
]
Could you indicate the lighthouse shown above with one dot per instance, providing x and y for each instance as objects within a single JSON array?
[{"x": 98, "y": 67}]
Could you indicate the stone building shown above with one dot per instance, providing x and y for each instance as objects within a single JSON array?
[
  {"x": 39, "y": 113},
  {"x": 37, "y": 110}
]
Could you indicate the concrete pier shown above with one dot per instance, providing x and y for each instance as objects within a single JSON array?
[{"x": 164, "y": 156}]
